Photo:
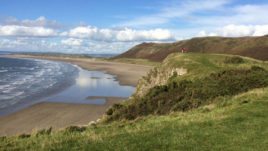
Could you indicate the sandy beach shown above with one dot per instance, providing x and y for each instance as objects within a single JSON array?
[{"x": 60, "y": 115}]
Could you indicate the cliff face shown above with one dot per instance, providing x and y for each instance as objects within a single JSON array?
[
  {"x": 255, "y": 47},
  {"x": 157, "y": 77}
]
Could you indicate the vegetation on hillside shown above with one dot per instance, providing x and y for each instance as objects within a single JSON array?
[
  {"x": 255, "y": 47},
  {"x": 184, "y": 94},
  {"x": 135, "y": 61}
]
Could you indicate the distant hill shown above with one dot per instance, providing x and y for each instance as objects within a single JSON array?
[{"x": 255, "y": 47}]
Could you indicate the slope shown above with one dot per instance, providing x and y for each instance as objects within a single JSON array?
[{"x": 255, "y": 47}]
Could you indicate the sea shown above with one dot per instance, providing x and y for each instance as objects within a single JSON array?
[{"x": 25, "y": 82}]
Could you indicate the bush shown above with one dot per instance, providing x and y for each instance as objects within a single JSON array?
[
  {"x": 24, "y": 136},
  {"x": 257, "y": 68},
  {"x": 44, "y": 132},
  {"x": 2, "y": 138},
  {"x": 111, "y": 110},
  {"x": 233, "y": 60},
  {"x": 71, "y": 129},
  {"x": 187, "y": 94}
]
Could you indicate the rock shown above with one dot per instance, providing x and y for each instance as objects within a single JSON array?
[
  {"x": 157, "y": 76},
  {"x": 98, "y": 120},
  {"x": 92, "y": 122}
]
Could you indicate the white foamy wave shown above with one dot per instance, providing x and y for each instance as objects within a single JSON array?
[
  {"x": 35, "y": 80},
  {"x": 5, "y": 97},
  {"x": 26, "y": 68},
  {"x": 3, "y": 71},
  {"x": 2, "y": 87}
]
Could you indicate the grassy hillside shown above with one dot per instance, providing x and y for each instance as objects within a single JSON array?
[
  {"x": 134, "y": 61},
  {"x": 218, "y": 102},
  {"x": 233, "y": 123},
  {"x": 255, "y": 47},
  {"x": 205, "y": 78}
]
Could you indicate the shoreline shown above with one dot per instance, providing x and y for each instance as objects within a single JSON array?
[
  {"x": 61, "y": 115},
  {"x": 125, "y": 73}
]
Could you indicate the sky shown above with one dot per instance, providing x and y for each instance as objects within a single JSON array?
[{"x": 114, "y": 26}]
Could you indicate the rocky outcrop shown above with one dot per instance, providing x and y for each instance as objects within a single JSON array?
[{"x": 156, "y": 77}]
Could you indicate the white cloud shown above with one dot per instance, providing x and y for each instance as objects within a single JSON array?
[
  {"x": 72, "y": 42},
  {"x": 260, "y": 30},
  {"x": 174, "y": 10},
  {"x": 15, "y": 30},
  {"x": 39, "y": 22},
  {"x": 40, "y": 27},
  {"x": 83, "y": 32},
  {"x": 144, "y": 35},
  {"x": 123, "y": 35},
  {"x": 237, "y": 31},
  {"x": 48, "y": 45},
  {"x": 239, "y": 15},
  {"x": 202, "y": 33},
  {"x": 35, "y": 35}
]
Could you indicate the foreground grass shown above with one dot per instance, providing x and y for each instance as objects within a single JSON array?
[{"x": 231, "y": 123}]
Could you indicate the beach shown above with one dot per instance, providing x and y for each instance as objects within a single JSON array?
[{"x": 61, "y": 115}]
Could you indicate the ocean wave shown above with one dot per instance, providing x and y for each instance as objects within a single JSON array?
[
  {"x": 32, "y": 81},
  {"x": 3, "y": 71}
]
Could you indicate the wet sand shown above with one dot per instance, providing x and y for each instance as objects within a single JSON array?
[
  {"x": 56, "y": 115},
  {"x": 60, "y": 115}
]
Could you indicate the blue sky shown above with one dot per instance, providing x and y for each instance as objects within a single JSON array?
[
  {"x": 94, "y": 26},
  {"x": 94, "y": 12}
]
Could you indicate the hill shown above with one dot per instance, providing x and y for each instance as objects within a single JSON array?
[
  {"x": 190, "y": 80},
  {"x": 190, "y": 102},
  {"x": 255, "y": 47}
]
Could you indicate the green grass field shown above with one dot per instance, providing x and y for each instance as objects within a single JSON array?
[{"x": 233, "y": 122}]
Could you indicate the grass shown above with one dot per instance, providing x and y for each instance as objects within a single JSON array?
[
  {"x": 135, "y": 61},
  {"x": 208, "y": 76},
  {"x": 229, "y": 124},
  {"x": 189, "y": 94},
  {"x": 200, "y": 65}
]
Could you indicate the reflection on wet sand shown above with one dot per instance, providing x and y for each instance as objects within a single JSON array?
[{"x": 90, "y": 84}]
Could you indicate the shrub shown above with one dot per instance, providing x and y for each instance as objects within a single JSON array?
[
  {"x": 233, "y": 60},
  {"x": 71, "y": 129},
  {"x": 187, "y": 94},
  {"x": 24, "y": 136},
  {"x": 257, "y": 68},
  {"x": 114, "y": 107},
  {"x": 44, "y": 132},
  {"x": 2, "y": 138}
]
